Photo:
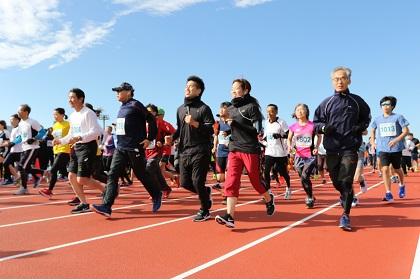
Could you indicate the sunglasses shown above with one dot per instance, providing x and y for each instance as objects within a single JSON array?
[{"x": 386, "y": 104}]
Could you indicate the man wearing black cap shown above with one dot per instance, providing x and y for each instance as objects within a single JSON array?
[
  {"x": 194, "y": 130},
  {"x": 133, "y": 139}
]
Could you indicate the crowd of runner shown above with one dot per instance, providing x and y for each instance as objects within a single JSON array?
[{"x": 241, "y": 141}]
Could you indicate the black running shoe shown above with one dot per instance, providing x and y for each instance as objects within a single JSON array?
[
  {"x": 202, "y": 215},
  {"x": 81, "y": 208},
  {"x": 74, "y": 202},
  {"x": 271, "y": 208},
  {"x": 102, "y": 209},
  {"x": 226, "y": 220}
]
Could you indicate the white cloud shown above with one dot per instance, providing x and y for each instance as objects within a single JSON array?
[
  {"x": 248, "y": 3},
  {"x": 156, "y": 6},
  {"x": 32, "y": 31}
]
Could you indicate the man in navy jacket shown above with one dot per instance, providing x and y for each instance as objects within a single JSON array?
[
  {"x": 342, "y": 118},
  {"x": 133, "y": 139}
]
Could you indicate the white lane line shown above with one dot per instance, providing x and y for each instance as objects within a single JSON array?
[
  {"x": 86, "y": 213},
  {"x": 63, "y": 201},
  {"x": 256, "y": 242},
  {"x": 112, "y": 234},
  {"x": 415, "y": 271}
]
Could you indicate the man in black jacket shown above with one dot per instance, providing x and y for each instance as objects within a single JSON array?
[
  {"x": 342, "y": 118},
  {"x": 194, "y": 130}
]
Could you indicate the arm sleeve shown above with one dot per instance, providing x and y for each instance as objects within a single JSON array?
[
  {"x": 94, "y": 130},
  {"x": 206, "y": 125},
  {"x": 319, "y": 118},
  {"x": 152, "y": 127}
]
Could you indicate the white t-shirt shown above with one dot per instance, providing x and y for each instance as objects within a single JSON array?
[
  {"x": 275, "y": 147},
  {"x": 409, "y": 146},
  {"x": 85, "y": 124},
  {"x": 25, "y": 131},
  {"x": 18, "y": 147}
]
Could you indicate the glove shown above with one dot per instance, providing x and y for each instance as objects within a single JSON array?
[
  {"x": 357, "y": 130},
  {"x": 30, "y": 141},
  {"x": 276, "y": 135},
  {"x": 328, "y": 129}
]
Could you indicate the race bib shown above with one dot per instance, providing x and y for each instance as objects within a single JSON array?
[
  {"x": 57, "y": 133},
  {"x": 387, "y": 129},
  {"x": 50, "y": 143},
  {"x": 120, "y": 129},
  {"x": 270, "y": 139},
  {"x": 303, "y": 141},
  {"x": 223, "y": 140},
  {"x": 76, "y": 130},
  {"x": 152, "y": 145}
]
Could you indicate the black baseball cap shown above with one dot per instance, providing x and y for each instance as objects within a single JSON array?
[{"x": 123, "y": 86}]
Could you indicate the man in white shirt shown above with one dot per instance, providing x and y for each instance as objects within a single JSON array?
[
  {"x": 83, "y": 135},
  {"x": 276, "y": 131}
]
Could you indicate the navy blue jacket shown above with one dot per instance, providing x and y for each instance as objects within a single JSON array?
[
  {"x": 349, "y": 115},
  {"x": 136, "y": 116}
]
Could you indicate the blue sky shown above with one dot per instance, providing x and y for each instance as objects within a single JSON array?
[{"x": 286, "y": 49}]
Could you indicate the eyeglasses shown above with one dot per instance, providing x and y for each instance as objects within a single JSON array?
[
  {"x": 342, "y": 79},
  {"x": 386, "y": 104}
]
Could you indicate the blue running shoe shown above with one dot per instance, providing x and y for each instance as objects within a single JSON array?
[
  {"x": 157, "y": 202},
  {"x": 102, "y": 209},
  {"x": 345, "y": 223},
  {"x": 401, "y": 193},
  {"x": 388, "y": 197}
]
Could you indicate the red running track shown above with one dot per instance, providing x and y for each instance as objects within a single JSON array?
[{"x": 39, "y": 238}]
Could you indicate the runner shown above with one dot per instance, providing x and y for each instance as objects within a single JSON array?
[
  {"x": 321, "y": 157},
  {"x": 220, "y": 149},
  {"x": 303, "y": 133},
  {"x": 82, "y": 136},
  {"x": 31, "y": 132},
  {"x": 275, "y": 133},
  {"x": 61, "y": 128},
  {"x": 15, "y": 146},
  {"x": 342, "y": 118},
  {"x": 245, "y": 120},
  {"x": 154, "y": 153},
  {"x": 389, "y": 131},
  {"x": 131, "y": 144},
  {"x": 194, "y": 130}
]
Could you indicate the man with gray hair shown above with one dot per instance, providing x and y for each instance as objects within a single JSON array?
[{"x": 342, "y": 118}]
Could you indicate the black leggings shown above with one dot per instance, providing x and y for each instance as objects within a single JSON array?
[
  {"x": 305, "y": 167},
  {"x": 280, "y": 166},
  {"x": 61, "y": 161}
]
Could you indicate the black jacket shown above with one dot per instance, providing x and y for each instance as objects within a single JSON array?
[
  {"x": 246, "y": 119},
  {"x": 194, "y": 140},
  {"x": 348, "y": 115}
]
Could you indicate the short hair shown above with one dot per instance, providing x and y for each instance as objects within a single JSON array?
[
  {"x": 79, "y": 93},
  {"x": 198, "y": 81},
  {"x": 26, "y": 108},
  {"x": 245, "y": 84},
  {"x": 3, "y": 123},
  {"x": 342, "y": 68},
  {"x": 153, "y": 107},
  {"x": 392, "y": 99},
  {"x": 305, "y": 107},
  {"x": 15, "y": 116},
  {"x": 274, "y": 106},
  {"x": 225, "y": 104}
]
